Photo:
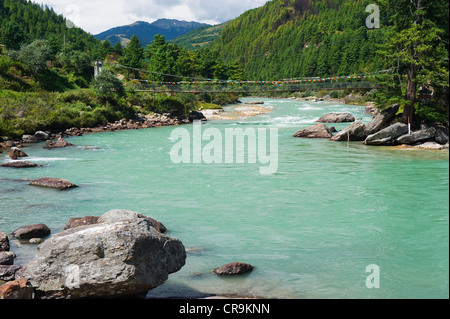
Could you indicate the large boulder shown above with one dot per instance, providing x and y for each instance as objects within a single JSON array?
[
  {"x": 316, "y": 131},
  {"x": 15, "y": 153},
  {"x": 50, "y": 182},
  {"x": 336, "y": 118},
  {"x": 110, "y": 259},
  {"x": 382, "y": 120},
  {"x": 388, "y": 135},
  {"x": 417, "y": 136},
  {"x": 354, "y": 132},
  {"x": 32, "y": 231}
]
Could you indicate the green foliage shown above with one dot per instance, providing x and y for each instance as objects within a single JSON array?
[
  {"x": 417, "y": 45},
  {"x": 133, "y": 53},
  {"x": 36, "y": 55},
  {"x": 107, "y": 84},
  {"x": 25, "y": 113},
  {"x": 300, "y": 38}
]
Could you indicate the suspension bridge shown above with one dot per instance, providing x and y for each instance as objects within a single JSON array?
[
  {"x": 203, "y": 85},
  {"x": 238, "y": 88}
]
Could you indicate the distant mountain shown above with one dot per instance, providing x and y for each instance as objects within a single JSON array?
[
  {"x": 146, "y": 31},
  {"x": 200, "y": 37}
]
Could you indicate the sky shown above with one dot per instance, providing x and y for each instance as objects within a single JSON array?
[{"x": 96, "y": 16}]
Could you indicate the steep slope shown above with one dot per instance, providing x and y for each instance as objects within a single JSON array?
[
  {"x": 23, "y": 21},
  {"x": 200, "y": 37},
  {"x": 146, "y": 31},
  {"x": 296, "y": 38}
]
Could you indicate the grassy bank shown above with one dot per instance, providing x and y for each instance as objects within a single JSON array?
[{"x": 27, "y": 112}]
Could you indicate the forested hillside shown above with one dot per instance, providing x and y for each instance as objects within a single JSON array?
[
  {"x": 23, "y": 22},
  {"x": 297, "y": 38}
]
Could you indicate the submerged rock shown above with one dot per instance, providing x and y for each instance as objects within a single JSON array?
[
  {"x": 111, "y": 259},
  {"x": 316, "y": 131},
  {"x": 235, "y": 268},
  {"x": 50, "y": 182},
  {"x": 20, "y": 164},
  {"x": 336, "y": 118}
]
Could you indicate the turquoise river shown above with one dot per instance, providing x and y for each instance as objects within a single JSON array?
[{"x": 311, "y": 228}]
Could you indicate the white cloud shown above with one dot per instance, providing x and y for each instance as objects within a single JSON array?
[{"x": 96, "y": 16}]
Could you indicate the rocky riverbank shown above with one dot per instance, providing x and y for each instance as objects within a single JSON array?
[
  {"x": 385, "y": 128},
  {"x": 141, "y": 121}
]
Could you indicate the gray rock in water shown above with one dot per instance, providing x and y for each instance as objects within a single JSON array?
[
  {"x": 316, "y": 131},
  {"x": 387, "y": 135},
  {"x": 416, "y": 136},
  {"x": 382, "y": 120},
  {"x": 354, "y": 132},
  {"x": 51, "y": 182},
  {"x": 336, "y": 118},
  {"x": 32, "y": 231},
  {"x": 14, "y": 153},
  {"x": 20, "y": 164},
  {"x": 60, "y": 143},
  {"x": 123, "y": 258},
  {"x": 235, "y": 268}
]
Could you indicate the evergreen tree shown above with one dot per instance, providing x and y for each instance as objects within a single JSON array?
[{"x": 417, "y": 47}]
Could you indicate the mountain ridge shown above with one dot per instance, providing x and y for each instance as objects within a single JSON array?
[{"x": 145, "y": 31}]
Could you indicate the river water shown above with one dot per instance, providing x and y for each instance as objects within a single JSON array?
[{"x": 311, "y": 228}]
